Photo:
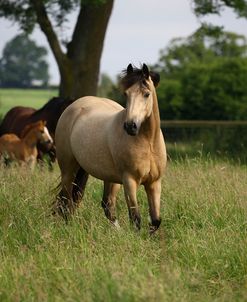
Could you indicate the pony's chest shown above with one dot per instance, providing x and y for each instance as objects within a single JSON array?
[
  {"x": 151, "y": 169},
  {"x": 30, "y": 159},
  {"x": 30, "y": 154},
  {"x": 156, "y": 168},
  {"x": 144, "y": 164}
]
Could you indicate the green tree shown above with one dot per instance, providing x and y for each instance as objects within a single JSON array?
[
  {"x": 22, "y": 63},
  {"x": 204, "y": 77},
  {"x": 78, "y": 59},
  {"x": 202, "y": 46},
  {"x": 105, "y": 85},
  {"x": 205, "y": 7},
  {"x": 227, "y": 89}
]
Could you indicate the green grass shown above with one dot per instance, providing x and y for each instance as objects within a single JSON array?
[
  {"x": 199, "y": 253},
  {"x": 25, "y": 97}
]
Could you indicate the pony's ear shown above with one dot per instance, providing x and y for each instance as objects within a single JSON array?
[
  {"x": 44, "y": 122},
  {"x": 130, "y": 69},
  {"x": 145, "y": 71},
  {"x": 155, "y": 78}
]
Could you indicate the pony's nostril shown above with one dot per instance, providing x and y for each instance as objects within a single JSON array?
[
  {"x": 134, "y": 126},
  {"x": 48, "y": 142},
  {"x": 130, "y": 128}
]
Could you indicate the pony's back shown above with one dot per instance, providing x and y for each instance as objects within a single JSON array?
[{"x": 15, "y": 119}]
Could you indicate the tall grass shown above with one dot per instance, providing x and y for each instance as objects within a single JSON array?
[{"x": 199, "y": 253}]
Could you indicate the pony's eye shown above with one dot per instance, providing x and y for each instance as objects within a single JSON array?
[
  {"x": 146, "y": 95},
  {"x": 125, "y": 94}
]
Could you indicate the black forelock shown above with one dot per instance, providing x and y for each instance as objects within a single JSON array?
[{"x": 129, "y": 79}]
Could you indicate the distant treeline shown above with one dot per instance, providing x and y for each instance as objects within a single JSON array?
[{"x": 23, "y": 64}]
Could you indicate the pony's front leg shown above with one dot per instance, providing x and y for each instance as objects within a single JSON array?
[
  {"x": 153, "y": 191},
  {"x": 52, "y": 158},
  {"x": 109, "y": 201},
  {"x": 130, "y": 188},
  {"x": 32, "y": 163}
]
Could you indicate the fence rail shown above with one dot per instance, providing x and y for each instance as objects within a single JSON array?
[{"x": 200, "y": 123}]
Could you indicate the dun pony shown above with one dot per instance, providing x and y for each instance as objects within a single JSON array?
[{"x": 118, "y": 145}]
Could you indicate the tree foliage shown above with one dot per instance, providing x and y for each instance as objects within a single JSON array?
[
  {"x": 105, "y": 85},
  {"x": 205, "y": 7},
  {"x": 78, "y": 58},
  {"x": 22, "y": 63},
  {"x": 204, "y": 77},
  {"x": 23, "y": 11}
]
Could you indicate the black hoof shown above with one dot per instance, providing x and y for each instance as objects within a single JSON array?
[
  {"x": 154, "y": 226},
  {"x": 136, "y": 221},
  {"x": 61, "y": 208}
]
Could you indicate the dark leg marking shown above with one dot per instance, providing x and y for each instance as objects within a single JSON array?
[
  {"x": 79, "y": 185},
  {"x": 154, "y": 225},
  {"x": 135, "y": 218},
  {"x": 61, "y": 206}
]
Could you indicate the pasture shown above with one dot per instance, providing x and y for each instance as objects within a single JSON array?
[
  {"x": 24, "y": 97},
  {"x": 198, "y": 254}
]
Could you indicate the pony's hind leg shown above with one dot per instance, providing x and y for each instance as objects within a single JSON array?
[
  {"x": 153, "y": 191},
  {"x": 109, "y": 201},
  {"x": 64, "y": 204},
  {"x": 79, "y": 185}
]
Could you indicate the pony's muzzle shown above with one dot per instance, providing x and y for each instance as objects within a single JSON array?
[
  {"x": 131, "y": 128},
  {"x": 48, "y": 143}
]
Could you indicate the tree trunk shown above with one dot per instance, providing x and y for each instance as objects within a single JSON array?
[
  {"x": 80, "y": 77},
  {"x": 79, "y": 67}
]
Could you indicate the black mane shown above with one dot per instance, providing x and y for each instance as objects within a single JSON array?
[
  {"x": 129, "y": 79},
  {"x": 54, "y": 104},
  {"x": 133, "y": 75}
]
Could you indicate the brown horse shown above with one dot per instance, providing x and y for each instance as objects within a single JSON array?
[
  {"x": 99, "y": 137},
  {"x": 18, "y": 117},
  {"x": 24, "y": 150}
]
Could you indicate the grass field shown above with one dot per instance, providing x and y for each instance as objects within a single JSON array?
[
  {"x": 199, "y": 253},
  {"x": 25, "y": 97}
]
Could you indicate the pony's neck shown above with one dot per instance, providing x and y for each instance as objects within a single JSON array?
[
  {"x": 151, "y": 127},
  {"x": 30, "y": 139}
]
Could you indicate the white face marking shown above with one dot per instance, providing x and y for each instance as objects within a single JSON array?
[
  {"x": 139, "y": 105},
  {"x": 47, "y": 135}
]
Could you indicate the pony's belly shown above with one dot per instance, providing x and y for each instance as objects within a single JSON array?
[
  {"x": 101, "y": 171},
  {"x": 93, "y": 155},
  {"x": 106, "y": 176},
  {"x": 100, "y": 168}
]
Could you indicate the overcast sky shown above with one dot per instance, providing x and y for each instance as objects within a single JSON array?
[{"x": 137, "y": 31}]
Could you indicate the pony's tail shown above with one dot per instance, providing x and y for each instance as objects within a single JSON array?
[{"x": 55, "y": 192}]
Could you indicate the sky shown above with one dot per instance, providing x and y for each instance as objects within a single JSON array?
[{"x": 137, "y": 31}]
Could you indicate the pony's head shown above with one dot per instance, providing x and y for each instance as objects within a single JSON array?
[
  {"x": 40, "y": 131},
  {"x": 43, "y": 133},
  {"x": 138, "y": 86}
]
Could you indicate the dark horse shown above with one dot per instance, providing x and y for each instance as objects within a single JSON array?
[{"x": 18, "y": 117}]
